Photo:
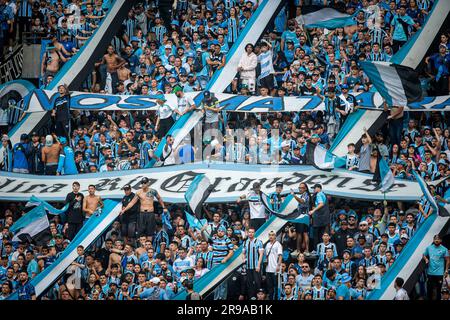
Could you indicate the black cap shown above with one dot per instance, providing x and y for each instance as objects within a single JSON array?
[
  {"x": 145, "y": 180},
  {"x": 110, "y": 165},
  {"x": 279, "y": 184},
  {"x": 261, "y": 290},
  {"x": 256, "y": 185},
  {"x": 126, "y": 187},
  {"x": 34, "y": 134}
]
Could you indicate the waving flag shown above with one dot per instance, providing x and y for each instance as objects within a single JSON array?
[
  {"x": 35, "y": 201},
  {"x": 288, "y": 210},
  {"x": 194, "y": 222},
  {"x": 383, "y": 175},
  {"x": 33, "y": 227},
  {"x": 319, "y": 157},
  {"x": 327, "y": 18},
  {"x": 397, "y": 84},
  {"x": 426, "y": 191},
  {"x": 197, "y": 193}
]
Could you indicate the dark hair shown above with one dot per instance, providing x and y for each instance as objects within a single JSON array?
[{"x": 399, "y": 282}]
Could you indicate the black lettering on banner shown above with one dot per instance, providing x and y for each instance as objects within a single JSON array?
[
  {"x": 179, "y": 182},
  {"x": 20, "y": 185},
  {"x": 368, "y": 185},
  {"x": 298, "y": 178},
  {"x": 217, "y": 181},
  {"x": 312, "y": 179},
  {"x": 33, "y": 187},
  {"x": 54, "y": 188},
  {"x": 273, "y": 183},
  {"x": 136, "y": 182},
  {"x": 108, "y": 184},
  {"x": 331, "y": 179},
  {"x": 234, "y": 186},
  {"x": 7, "y": 183},
  {"x": 344, "y": 181}
]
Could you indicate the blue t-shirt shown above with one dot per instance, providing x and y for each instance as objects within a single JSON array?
[
  {"x": 320, "y": 198},
  {"x": 343, "y": 291},
  {"x": 26, "y": 291},
  {"x": 436, "y": 256}
]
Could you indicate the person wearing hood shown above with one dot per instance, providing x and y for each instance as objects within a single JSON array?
[{"x": 66, "y": 163}]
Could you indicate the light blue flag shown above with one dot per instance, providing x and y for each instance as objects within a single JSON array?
[
  {"x": 35, "y": 201},
  {"x": 29, "y": 218},
  {"x": 327, "y": 18},
  {"x": 194, "y": 222},
  {"x": 166, "y": 220},
  {"x": 387, "y": 177},
  {"x": 426, "y": 192}
]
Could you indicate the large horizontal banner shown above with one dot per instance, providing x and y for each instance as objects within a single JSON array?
[
  {"x": 43, "y": 100},
  {"x": 229, "y": 180}
]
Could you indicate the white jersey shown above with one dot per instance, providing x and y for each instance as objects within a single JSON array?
[
  {"x": 272, "y": 252},
  {"x": 257, "y": 209},
  {"x": 184, "y": 103},
  {"x": 401, "y": 295}
]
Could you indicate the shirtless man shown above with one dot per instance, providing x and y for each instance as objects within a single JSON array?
[
  {"x": 123, "y": 73},
  {"x": 92, "y": 203},
  {"x": 50, "y": 155},
  {"x": 51, "y": 62},
  {"x": 113, "y": 62},
  {"x": 146, "y": 195},
  {"x": 116, "y": 255}
]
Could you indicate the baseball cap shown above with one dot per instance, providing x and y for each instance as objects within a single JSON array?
[
  {"x": 23, "y": 136},
  {"x": 175, "y": 22},
  {"x": 315, "y": 136},
  {"x": 279, "y": 184},
  {"x": 284, "y": 144},
  {"x": 134, "y": 39},
  {"x": 207, "y": 94},
  {"x": 34, "y": 134},
  {"x": 155, "y": 280},
  {"x": 145, "y": 180},
  {"x": 48, "y": 140},
  {"x": 345, "y": 278}
]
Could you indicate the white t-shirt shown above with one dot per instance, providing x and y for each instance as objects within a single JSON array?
[
  {"x": 401, "y": 295},
  {"x": 272, "y": 251},
  {"x": 165, "y": 111},
  {"x": 184, "y": 103},
  {"x": 168, "y": 155},
  {"x": 257, "y": 209}
]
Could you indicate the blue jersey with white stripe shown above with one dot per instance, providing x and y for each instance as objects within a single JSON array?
[
  {"x": 221, "y": 248},
  {"x": 251, "y": 249}
]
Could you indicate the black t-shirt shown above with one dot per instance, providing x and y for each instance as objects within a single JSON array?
[
  {"x": 131, "y": 214},
  {"x": 75, "y": 211},
  {"x": 62, "y": 107},
  {"x": 305, "y": 91}
]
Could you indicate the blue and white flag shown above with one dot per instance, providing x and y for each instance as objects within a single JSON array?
[
  {"x": 327, "y": 18},
  {"x": 426, "y": 191},
  {"x": 35, "y": 201},
  {"x": 195, "y": 223},
  {"x": 386, "y": 175},
  {"x": 319, "y": 157},
  {"x": 197, "y": 193},
  {"x": 288, "y": 209},
  {"x": 33, "y": 227},
  {"x": 165, "y": 217},
  {"x": 415, "y": 49},
  {"x": 397, "y": 84}
]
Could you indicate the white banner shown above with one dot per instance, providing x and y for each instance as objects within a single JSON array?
[
  {"x": 43, "y": 100},
  {"x": 229, "y": 180}
]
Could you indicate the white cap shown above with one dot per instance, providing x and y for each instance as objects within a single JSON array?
[
  {"x": 155, "y": 280},
  {"x": 284, "y": 144},
  {"x": 48, "y": 140}
]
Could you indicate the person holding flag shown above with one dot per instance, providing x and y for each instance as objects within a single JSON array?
[{"x": 257, "y": 209}]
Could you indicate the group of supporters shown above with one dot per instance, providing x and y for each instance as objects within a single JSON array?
[
  {"x": 345, "y": 248},
  {"x": 150, "y": 252}
]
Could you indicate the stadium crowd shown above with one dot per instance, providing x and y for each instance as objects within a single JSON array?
[{"x": 340, "y": 255}]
